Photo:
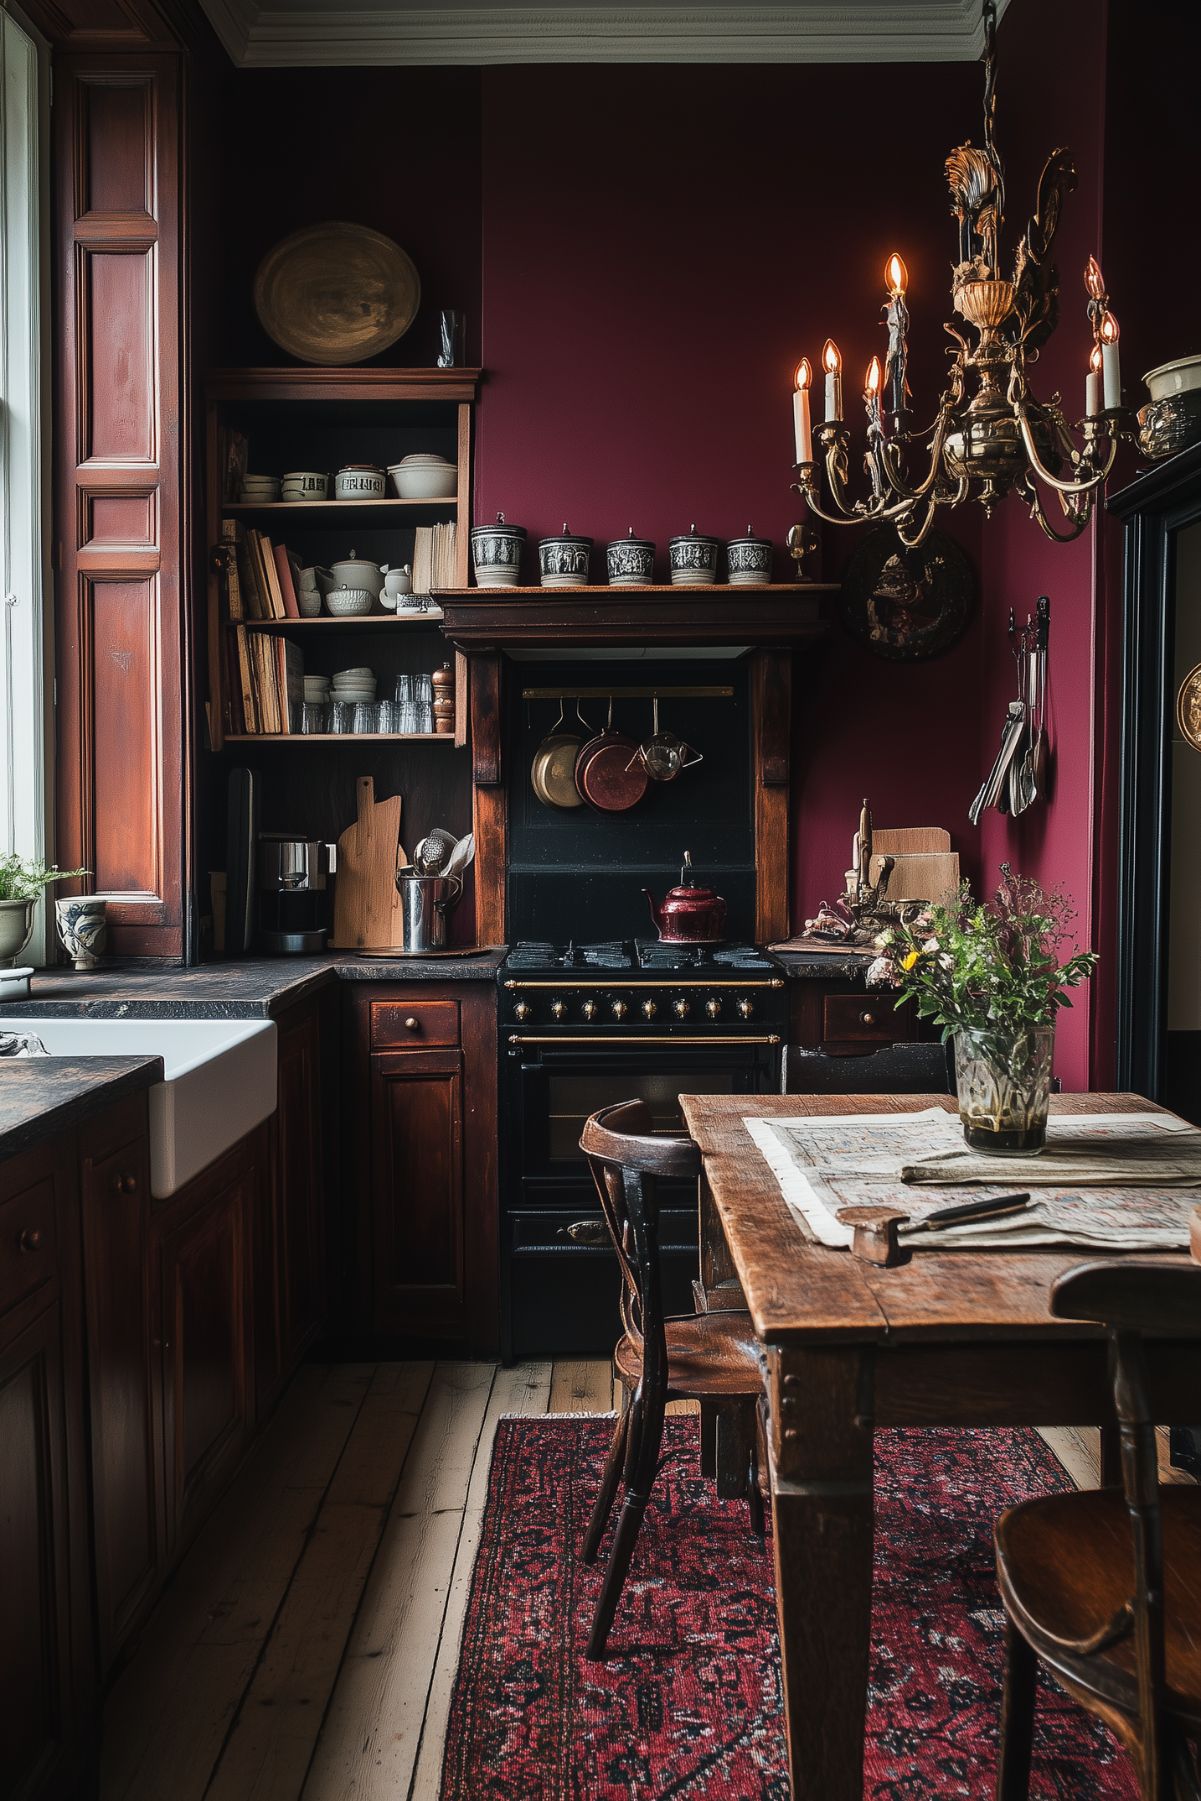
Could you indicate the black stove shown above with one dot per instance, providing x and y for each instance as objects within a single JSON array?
[{"x": 584, "y": 1025}]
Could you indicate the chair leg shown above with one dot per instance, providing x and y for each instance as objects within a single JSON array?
[
  {"x": 642, "y": 1460},
  {"x": 754, "y": 1496},
  {"x": 608, "y": 1488},
  {"x": 1017, "y": 1717}
]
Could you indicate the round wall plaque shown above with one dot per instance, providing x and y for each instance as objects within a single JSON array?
[
  {"x": 908, "y": 604},
  {"x": 336, "y": 293},
  {"x": 1188, "y": 707}
]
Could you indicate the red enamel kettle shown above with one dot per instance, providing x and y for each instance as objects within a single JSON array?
[{"x": 688, "y": 914}]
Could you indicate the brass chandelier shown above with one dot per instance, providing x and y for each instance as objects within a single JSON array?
[{"x": 990, "y": 436}]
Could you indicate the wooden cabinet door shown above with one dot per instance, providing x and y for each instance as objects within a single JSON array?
[
  {"x": 290, "y": 1261},
  {"x": 204, "y": 1327},
  {"x": 417, "y": 1200},
  {"x": 123, "y": 1395}
]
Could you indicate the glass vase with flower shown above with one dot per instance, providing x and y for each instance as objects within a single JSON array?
[{"x": 994, "y": 976}]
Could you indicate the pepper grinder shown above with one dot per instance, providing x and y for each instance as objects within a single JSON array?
[{"x": 444, "y": 699}]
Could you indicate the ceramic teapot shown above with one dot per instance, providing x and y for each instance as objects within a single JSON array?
[
  {"x": 688, "y": 914},
  {"x": 356, "y": 572}
]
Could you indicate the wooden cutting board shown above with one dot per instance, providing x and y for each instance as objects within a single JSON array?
[
  {"x": 366, "y": 903},
  {"x": 932, "y": 876},
  {"x": 910, "y": 839}
]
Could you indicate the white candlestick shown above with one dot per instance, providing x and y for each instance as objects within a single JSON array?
[
  {"x": 802, "y": 431},
  {"x": 833, "y": 395},
  {"x": 1111, "y": 372},
  {"x": 1092, "y": 395}
]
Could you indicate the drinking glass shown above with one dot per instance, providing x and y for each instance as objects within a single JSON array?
[
  {"x": 366, "y": 718},
  {"x": 423, "y": 696},
  {"x": 387, "y": 716},
  {"x": 340, "y": 716},
  {"x": 313, "y": 717},
  {"x": 408, "y": 717},
  {"x": 404, "y": 689}
]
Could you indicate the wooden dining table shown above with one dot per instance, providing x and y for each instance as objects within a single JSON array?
[{"x": 952, "y": 1338}]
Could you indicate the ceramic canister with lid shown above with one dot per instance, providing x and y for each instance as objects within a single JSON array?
[
  {"x": 564, "y": 560},
  {"x": 359, "y": 481},
  {"x": 693, "y": 559},
  {"x": 749, "y": 560},
  {"x": 496, "y": 552},
  {"x": 631, "y": 561}
]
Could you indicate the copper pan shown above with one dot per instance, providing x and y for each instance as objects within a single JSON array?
[
  {"x": 607, "y": 773},
  {"x": 552, "y": 772}
]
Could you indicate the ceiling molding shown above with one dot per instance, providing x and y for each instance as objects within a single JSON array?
[{"x": 260, "y": 34}]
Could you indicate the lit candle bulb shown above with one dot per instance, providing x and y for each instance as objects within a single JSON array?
[
  {"x": 1092, "y": 384},
  {"x": 896, "y": 275},
  {"x": 1111, "y": 369},
  {"x": 832, "y": 364},
  {"x": 1094, "y": 281},
  {"x": 871, "y": 387},
  {"x": 801, "y": 428}
]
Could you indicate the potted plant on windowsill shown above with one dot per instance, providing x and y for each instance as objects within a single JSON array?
[
  {"x": 21, "y": 882},
  {"x": 990, "y": 974}
]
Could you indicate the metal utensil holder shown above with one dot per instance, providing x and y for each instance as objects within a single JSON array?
[{"x": 424, "y": 903}]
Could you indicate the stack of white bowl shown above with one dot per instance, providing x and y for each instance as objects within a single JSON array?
[
  {"x": 260, "y": 490},
  {"x": 316, "y": 689},
  {"x": 424, "y": 476},
  {"x": 353, "y": 685}
]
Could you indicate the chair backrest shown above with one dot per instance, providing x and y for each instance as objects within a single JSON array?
[
  {"x": 1131, "y": 1298},
  {"x": 895, "y": 1069},
  {"x": 626, "y": 1157}
]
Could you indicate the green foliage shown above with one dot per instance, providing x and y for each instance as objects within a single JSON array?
[
  {"x": 23, "y": 879},
  {"x": 988, "y": 967}
]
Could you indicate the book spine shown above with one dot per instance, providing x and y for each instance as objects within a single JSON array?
[{"x": 283, "y": 581}]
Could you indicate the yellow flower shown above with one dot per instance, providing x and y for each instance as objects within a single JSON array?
[{"x": 908, "y": 962}]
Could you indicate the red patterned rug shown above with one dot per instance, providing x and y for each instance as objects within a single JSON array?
[{"x": 688, "y": 1704}]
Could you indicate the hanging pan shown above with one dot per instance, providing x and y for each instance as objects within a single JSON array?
[
  {"x": 607, "y": 773},
  {"x": 552, "y": 772}
]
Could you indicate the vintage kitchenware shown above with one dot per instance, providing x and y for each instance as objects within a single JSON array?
[
  {"x": 1173, "y": 418},
  {"x": 336, "y": 293},
  {"x": 564, "y": 560},
  {"x": 434, "y": 851},
  {"x": 260, "y": 490},
  {"x": 308, "y": 602},
  {"x": 689, "y": 913},
  {"x": 304, "y": 484},
  {"x": 606, "y": 772},
  {"x": 82, "y": 929},
  {"x": 424, "y": 476},
  {"x": 397, "y": 582},
  {"x": 16, "y": 929},
  {"x": 1179, "y": 377},
  {"x": 359, "y": 481},
  {"x": 663, "y": 755},
  {"x": 748, "y": 560},
  {"x": 357, "y": 572},
  {"x": 630, "y": 561},
  {"x": 496, "y": 552},
  {"x": 693, "y": 559},
  {"x": 366, "y": 901},
  {"x": 425, "y": 901},
  {"x": 462, "y": 856},
  {"x": 349, "y": 603},
  {"x": 552, "y": 772}
]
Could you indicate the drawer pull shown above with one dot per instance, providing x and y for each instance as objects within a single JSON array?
[
  {"x": 585, "y": 1231},
  {"x": 30, "y": 1239},
  {"x": 867, "y": 1018},
  {"x": 125, "y": 1184},
  {"x": 412, "y": 1025}
]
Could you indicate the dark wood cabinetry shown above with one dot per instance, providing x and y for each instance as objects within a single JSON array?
[
  {"x": 45, "y": 1660},
  {"x": 423, "y": 1081},
  {"x": 843, "y": 1018}
]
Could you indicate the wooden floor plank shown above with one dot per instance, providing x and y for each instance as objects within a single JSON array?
[
  {"x": 583, "y": 1386},
  {"x": 270, "y": 1745},
  {"x": 170, "y": 1709},
  {"x": 371, "y": 1732},
  {"x": 523, "y": 1389},
  {"x": 1078, "y": 1449}
]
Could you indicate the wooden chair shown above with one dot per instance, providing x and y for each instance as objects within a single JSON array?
[
  {"x": 1104, "y": 1587},
  {"x": 894, "y": 1069},
  {"x": 705, "y": 1357}
]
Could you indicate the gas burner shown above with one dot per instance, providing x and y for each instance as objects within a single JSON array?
[
  {"x": 532, "y": 955},
  {"x": 653, "y": 955}
]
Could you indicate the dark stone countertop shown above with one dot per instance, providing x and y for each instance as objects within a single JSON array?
[
  {"x": 44, "y": 1095},
  {"x": 253, "y": 988},
  {"x": 803, "y": 966}
]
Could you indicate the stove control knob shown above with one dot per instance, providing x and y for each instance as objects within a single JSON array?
[
  {"x": 619, "y": 1009},
  {"x": 745, "y": 1008},
  {"x": 589, "y": 1010},
  {"x": 649, "y": 1009},
  {"x": 681, "y": 1008},
  {"x": 521, "y": 1012},
  {"x": 558, "y": 1009},
  {"x": 713, "y": 1008}
]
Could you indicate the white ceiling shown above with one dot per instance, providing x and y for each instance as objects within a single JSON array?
[{"x": 295, "y": 33}]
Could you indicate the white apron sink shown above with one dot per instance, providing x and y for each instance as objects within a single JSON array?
[{"x": 218, "y": 1080}]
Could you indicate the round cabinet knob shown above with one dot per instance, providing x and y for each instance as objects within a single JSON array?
[
  {"x": 558, "y": 1009},
  {"x": 521, "y": 1012},
  {"x": 745, "y": 1008},
  {"x": 649, "y": 1009},
  {"x": 713, "y": 1008},
  {"x": 411, "y": 1024},
  {"x": 589, "y": 1010},
  {"x": 867, "y": 1018},
  {"x": 619, "y": 1009},
  {"x": 30, "y": 1239},
  {"x": 129, "y": 1184},
  {"x": 681, "y": 1008}
]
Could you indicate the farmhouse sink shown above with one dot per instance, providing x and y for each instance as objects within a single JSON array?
[{"x": 218, "y": 1080}]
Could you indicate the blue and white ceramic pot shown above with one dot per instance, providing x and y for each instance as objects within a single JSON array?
[
  {"x": 564, "y": 560},
  {"x": 82, "y": 929},
  {"x": 631, "y": 562},
  {"x": 693, "y": 559},
  {"x": 749, "y": 560},
  {"x": 496, "y": 552}
]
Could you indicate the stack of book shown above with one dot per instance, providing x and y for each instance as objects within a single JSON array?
[
  {"x": 261, "y": 578},
  {"x": 266, "y": 688},
  {"x": 434, "y": 558}
]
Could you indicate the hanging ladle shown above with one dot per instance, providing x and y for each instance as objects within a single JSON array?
[{"x": 664, "y": 755}]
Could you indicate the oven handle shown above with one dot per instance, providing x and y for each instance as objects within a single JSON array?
[{"x": 674, "y": 1038}]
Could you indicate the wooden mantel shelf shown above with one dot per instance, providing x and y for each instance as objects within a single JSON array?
[{"x": 492, "y": 618}]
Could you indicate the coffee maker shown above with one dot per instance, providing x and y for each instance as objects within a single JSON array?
[{"x": 293, "y": 893}]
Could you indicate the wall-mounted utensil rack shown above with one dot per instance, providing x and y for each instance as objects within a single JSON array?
[{"x": 648, "y": 692}]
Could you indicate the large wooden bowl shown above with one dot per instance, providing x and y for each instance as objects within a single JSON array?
[{"x": 336, "y": 293}]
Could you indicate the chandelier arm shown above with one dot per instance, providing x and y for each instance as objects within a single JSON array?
[
  {"x": 911, "y": 543},
  {"x": 893, "y": 472},
  {"x": 1054, "y": 481},
  {"x": 862, "y": 513},
  {"x": 1048, "y": 530}
]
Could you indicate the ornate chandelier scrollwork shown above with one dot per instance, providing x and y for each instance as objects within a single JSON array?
[{"x": 990, "y": 436}]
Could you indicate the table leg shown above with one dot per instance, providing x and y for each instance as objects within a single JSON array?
[{"x": 820, "y": 1449}]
